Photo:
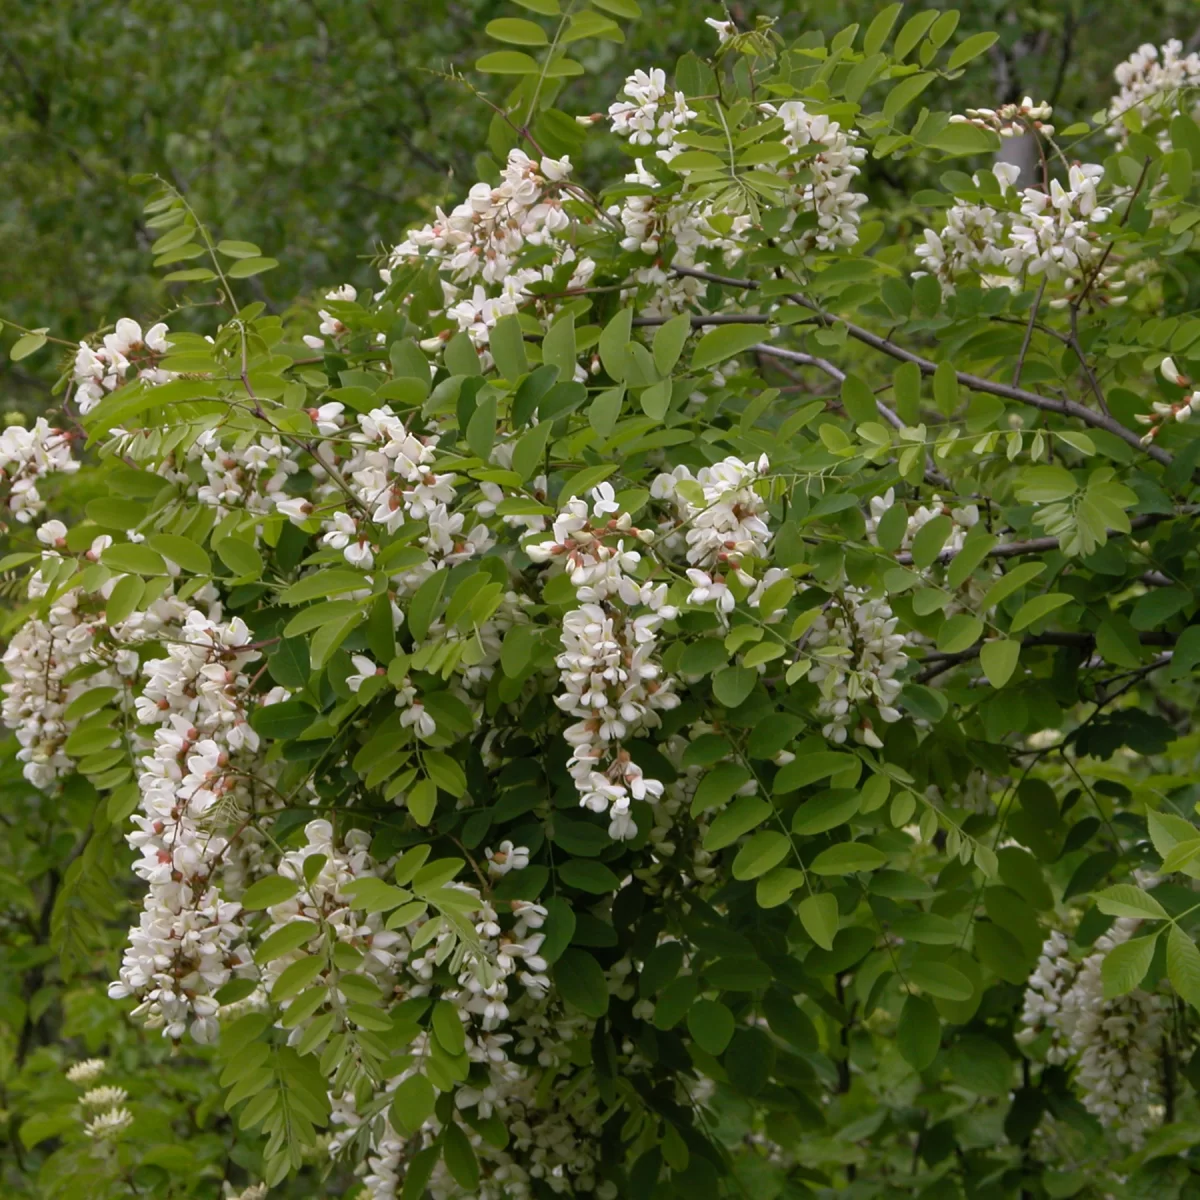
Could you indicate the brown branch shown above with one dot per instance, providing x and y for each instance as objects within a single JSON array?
[
  {"x": 1044, "y": 545},
  {"x": 932, "y": 474},
  {"x": 941, "y": 661},
  {"x": 1033, "y": 313}
]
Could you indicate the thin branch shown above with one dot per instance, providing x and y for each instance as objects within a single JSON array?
[
  {"x": 975, "y": 383},
  {"x": 810, "y": 360},
  {"x": 707, "y": 319},
  {"x": 1033, "y": 314},
  {"x": 941, "y": 661},
  {"x": 1043, "y": 545},
  {"x": 932, "y": 474}
]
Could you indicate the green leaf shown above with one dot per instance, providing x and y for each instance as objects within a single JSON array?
[
  {"x": 1011, "y": 582},
  {"x": 27, "y": 344},
  {"x": 423, "y": 606},
  {"x": 970, "y": 48},
  {"x": 516, "y": 32},
  {"x": 190, "y": 275},
  {"x": 1125, "y": 900},
  {"x": 507, "y": 62},
  {"x": 940, "y": 980},
  {"x": 283, "y": 941},
  {"x": 669, "y": 340},
  {"x": 587, "y": 24},
  {"x": 240, "y": 557},
  {"x": 422, "y": 801},
  {"x": 588, "y": 875},
  {"x": 319, "y": 615},
  {"x": 239, "y": 249},
  {"x": 183, "y": 551},
  {"x": 846, "y": 858},
  {"x": 733, "y": 685},
  {"x": 445, "y": 772},
  {"x": 628, "y": 9},
  {"x": 460, "y": 1158},
  {"x": 897, "y": 100},
  {"x": 507, "y": 344},
  {"x": 979, "y": 1064},
  {"x": 1126, "y": 964},
  {"x": 1001, "y": 953},
  {"x": 1037, "y": 608},
  {"x": 41, "y": 1126},
  {"x": 1183, "y": 965},
  {"x": 724, "y": 342},
  {"x": 826, "y": 811},
  {"x": 134, "y": 557},
  {"x": 719, "y": 786},
  {"x": 605, "y": 409},
  {"x": 711, "y": 1024},
  {"x": 999, "y": 660},
  {"x": 858, "y": 400},
  {"x": 448, "y": 1029},
  {"x": 1045, "y": 485},
  {"x": 581, "y": 983},
  {"x": 744, "y": 814},
  {"x": 481, "y": 429},
  {"x": 818, "y": 914},
  {"x": 266, "y": 893},
  {"x": 912, "y": 31},
  {"x": 528, "y": 454},
  {"x": 879, "y": 28},
  {"x": 919, "y": 1032},
  {"x": 412, "y": 1104},
  {"x": 585, "y": 480},
  {"x": 656, "y": 399},
  {"x": 808, "y": 768},
  {"x": 613, "y": 341},
  {"x": 766, "y": 849},
  {"x": 559, "y": 347},
  {"x": 328, "y": 581},
  {"x": 930, "y": 539},
  {"x": 959, "y": 633},
  {"x": 777, "y": 886},
  {"x": 245, "y": 267},
  {"x": 124, "y": 598}
]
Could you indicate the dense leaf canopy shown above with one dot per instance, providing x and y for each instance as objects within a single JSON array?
[{"x": 600, "y": 607}]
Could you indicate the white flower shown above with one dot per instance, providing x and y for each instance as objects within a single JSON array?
[
  {"x": 109, "y": 1126},
  {"x": 104, "y": 1097},
  {"x": 364, "y": 669},
  {"x": 52, "y": 533},
  {"x": 87, "y": 1071},
  {"x": 507, "y": 858},
  {"x": 724, "y": 29},
  {"x": 1172, "y": 372}
]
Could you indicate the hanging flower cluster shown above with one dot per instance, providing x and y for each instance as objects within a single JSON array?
[
  {"x": 612, "y": 684},
  {"x": 26, "y": 455},
  {"x": 200, "y": 777},
  {"x": 646, "y": 116},
  {"x": 1161, "y": 411},
  {"x": 1113, "y": 1045},
  {"x": 127, "y": 349},
  {"x": 1051, "y": 235},
  {"x": 1151, "y": 80}
]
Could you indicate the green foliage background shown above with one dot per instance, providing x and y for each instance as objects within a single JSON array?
[
  {"x": 319, "y": 130},
  {"x": 322, "y": 129}
]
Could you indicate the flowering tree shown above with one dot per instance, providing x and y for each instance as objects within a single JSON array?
[{"x": 656, "y": 699}]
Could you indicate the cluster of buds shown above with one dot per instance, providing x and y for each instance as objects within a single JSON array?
[
  {"x": 1180, "y": 410},
  {"x": 1010, "y": 120}
]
